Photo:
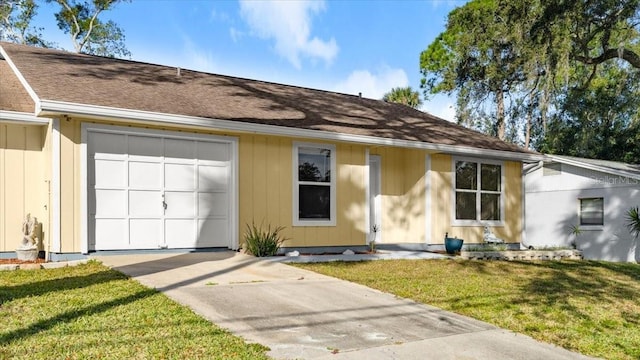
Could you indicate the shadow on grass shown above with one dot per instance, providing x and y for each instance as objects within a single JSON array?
[
  {"x": 584, "y": 279},
  {"x": 69, "y": 316},
  {"x": 39, "y": 288}
]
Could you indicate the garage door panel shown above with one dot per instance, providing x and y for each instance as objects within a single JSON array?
[
  {"x": 213, "y": 151},
  {"x": 180, "y": 233},
  {"x": 145, "y": 233},
  {"x": 145, "y": 175},
  {"x": 108, "y": 173},
  {"x": 141, "y": 147},
  {"x": 179, "y": 204},
  {"x": 103, "y": 143},
  {"x": 178, "y": 149},
  {"x": 132, "y": 176},
  {"x": 213, "y": 205},
  {"x": 145, "y": 203},
  {"x": 111, "y": 234},
  {"x": 109, "y": 203},
  {"x": 213, "y": 177},
  {"x": 213, "y": 233},
  {"x": 179, "y": 176}
]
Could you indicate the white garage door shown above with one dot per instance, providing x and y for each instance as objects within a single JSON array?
[{"x": 150, "y": 192}]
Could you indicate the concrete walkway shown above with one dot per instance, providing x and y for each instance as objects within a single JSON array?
[{"x": 303, "y": 315}]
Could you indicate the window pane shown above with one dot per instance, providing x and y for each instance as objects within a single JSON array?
[
  {"x": 314, "y": 164},
  {"x": 466, "y": 175},
  {"x": 490, "y": 177},
  {"x": 490, "y": 206},
  {"x": 314, "y": 202},
  {"x": 465, "y": 206},
  {"x": 592, "y": 211}
]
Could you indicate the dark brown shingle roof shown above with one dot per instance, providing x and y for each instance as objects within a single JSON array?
[
  {"x": 91, "y": 80},
  {"x": 13, "y": 96}
]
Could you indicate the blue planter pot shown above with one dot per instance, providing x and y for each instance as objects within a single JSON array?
[{"x": 453, "y": 245}]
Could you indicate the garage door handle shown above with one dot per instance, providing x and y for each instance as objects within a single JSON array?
[{"x": 164, "y": 205}]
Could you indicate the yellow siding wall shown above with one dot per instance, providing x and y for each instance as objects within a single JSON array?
[
  {"x": 265, "y": 178},
  {"x": 441, "y": 197},
  {"x": 24, "y": 175},
  {"x": 266, "y": 194},
  {"x": 403, "y": 195},
  {"x": 70, "y": 137},
  {"x": 442, "y": 204}
]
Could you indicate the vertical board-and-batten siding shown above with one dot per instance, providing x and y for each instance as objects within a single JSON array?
[
  {"x": 70, "y": 208},
  {"x": 442, "y": 204},
  {"x": 403, "y": 194},
  {"x": 23, "y": 186},
  {"x": 266, "y": 191}
]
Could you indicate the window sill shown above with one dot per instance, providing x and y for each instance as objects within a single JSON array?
[
  {"x": 477, "y": 223},
  {"x": 591, "y": 227},
  {"x": 307, "y": 223}
]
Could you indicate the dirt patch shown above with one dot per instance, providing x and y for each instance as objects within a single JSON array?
[{"x": 18, "y": 262}]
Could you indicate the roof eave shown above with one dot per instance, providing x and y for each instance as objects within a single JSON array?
[
  {"x": 589, "y": 166},
  {"x": 22, "y": 118},
  {"x": 57, "y": 108}
]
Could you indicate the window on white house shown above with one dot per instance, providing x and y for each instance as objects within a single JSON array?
[
  {"x": 592, "y": 211},
  {"x": 314, "y": 185},
  {"x": 478, "y": 194}
]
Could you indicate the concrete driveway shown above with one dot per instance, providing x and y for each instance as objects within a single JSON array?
[{"x": 304, "y": 315}]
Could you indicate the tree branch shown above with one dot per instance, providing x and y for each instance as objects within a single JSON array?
[
  {"x": 628, "y": 55},
  {"x": 76, "y": 26}
]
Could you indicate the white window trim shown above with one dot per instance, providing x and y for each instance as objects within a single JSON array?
[
  {"x": 590, "y": 227},
  {"x": 456, "y": 222},
  {"x": 296, "y": 186}
]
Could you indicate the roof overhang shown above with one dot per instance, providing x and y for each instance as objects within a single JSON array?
[
  {"x": 49, "y": 108},
  {"x": 22, "y": 118},
  {"x": 589, "y": 166}
]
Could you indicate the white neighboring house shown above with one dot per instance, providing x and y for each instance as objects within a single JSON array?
[{"x": 593, "y": 195}]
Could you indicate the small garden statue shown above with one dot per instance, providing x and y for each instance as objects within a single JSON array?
[
  {"x": 490, "y": 238},
  {"x": 28, "y": 249}
]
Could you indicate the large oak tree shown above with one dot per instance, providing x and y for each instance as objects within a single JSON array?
[{"x": 515, "y": 66}]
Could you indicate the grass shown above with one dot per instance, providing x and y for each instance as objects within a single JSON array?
[
  {"x": 585, "y": 306},
  {"x": 91, "y": 311}
]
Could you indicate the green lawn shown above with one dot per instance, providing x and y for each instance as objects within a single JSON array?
[
  {"x": 585, "y": 306},
  {"x": 90, "y": 311}
]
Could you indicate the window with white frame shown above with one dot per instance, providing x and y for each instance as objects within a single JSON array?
[
  {"x": 592, "y": 211},
  {"x": 314, "y": 185},
  {"x": 478, "y": 191}
]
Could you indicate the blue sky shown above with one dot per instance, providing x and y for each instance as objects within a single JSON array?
[{"x": 345, "y": 46}]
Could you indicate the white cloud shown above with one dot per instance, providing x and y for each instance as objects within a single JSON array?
[
  {"x": 235, "y": 34},
  {"x": 288, "y": 23},
  {"x": 441, "y": 106},
  {"x": 195, "y": 58},
  {"x": 373, "y": 85},
  {"x": 220, "y": 16}
]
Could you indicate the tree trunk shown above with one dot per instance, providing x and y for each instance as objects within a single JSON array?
[
  {"x": 500, "y": 125},
  {"x": 527, "y": 131}
]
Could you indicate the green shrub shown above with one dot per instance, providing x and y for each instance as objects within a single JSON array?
[
  {"x": 263, "y": 242},
  {"x": 633, "y": 221}
]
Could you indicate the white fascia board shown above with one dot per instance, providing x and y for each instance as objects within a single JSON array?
[
  {"x": 22, "y": 118},
  {"x": 588, "y": 166},
  {"x": 52, "y": 107},
  {"x": 23, "y": 81}
]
